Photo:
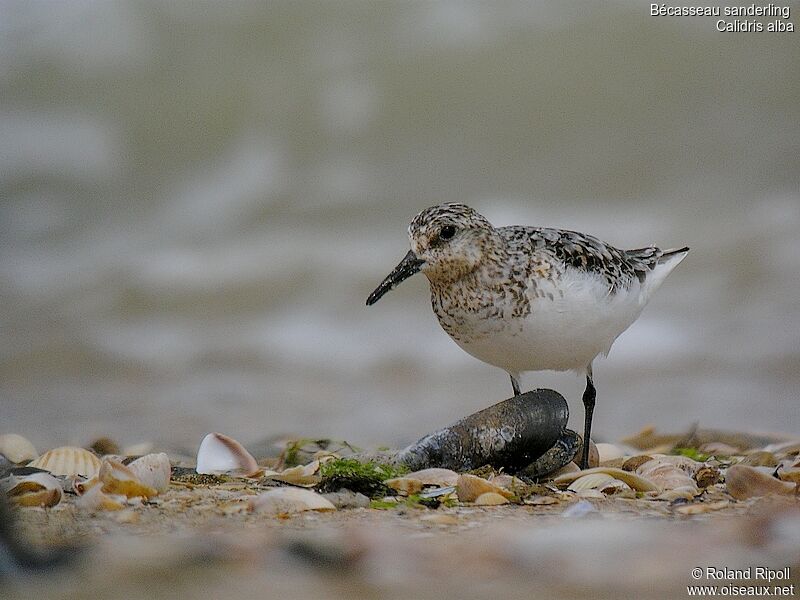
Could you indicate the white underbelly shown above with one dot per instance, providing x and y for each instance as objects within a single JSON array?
[{"x": 560, "y": 334}]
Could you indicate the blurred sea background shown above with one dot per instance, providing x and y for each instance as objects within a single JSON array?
[{"x": 196, "y": 199}]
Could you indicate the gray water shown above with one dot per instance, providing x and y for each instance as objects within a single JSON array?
[{"x": 196, "y": 199}]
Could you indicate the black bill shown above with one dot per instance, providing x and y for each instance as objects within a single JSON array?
[{"x": 407, "y": 267}]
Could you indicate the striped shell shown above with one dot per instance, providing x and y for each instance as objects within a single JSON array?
[
  {"x": 602, "y": 482},
  {"x": 68, "y": 461}
]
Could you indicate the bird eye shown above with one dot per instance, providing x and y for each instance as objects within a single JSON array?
[{"x": 447, "y": 232}]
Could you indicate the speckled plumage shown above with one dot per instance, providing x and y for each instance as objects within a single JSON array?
[
  {"x": 532, "y": 290},
  {"x": 529, "y": 298}
]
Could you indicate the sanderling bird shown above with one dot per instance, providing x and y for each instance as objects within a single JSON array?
[{"x": 529, "y": 298}]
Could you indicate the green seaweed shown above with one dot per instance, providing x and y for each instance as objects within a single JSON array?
[
  {"x": 692, "y": 453},
  {"x": 383, "y": 504},
  {"x": 363, "y": 477},
  {"x": 302, "y": 450},
  {"x": 414, "y": 501}
]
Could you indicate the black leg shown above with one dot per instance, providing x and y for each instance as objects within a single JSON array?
[
  {"x": 588, "y": 406},
  {"x": 515, "y": 385}
]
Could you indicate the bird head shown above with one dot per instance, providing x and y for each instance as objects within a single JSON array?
[{"x": 448, "y": 241}]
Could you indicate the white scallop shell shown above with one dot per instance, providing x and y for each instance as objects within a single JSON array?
[
  {"x": 219, "y": 453},
  {"x": 68, "y": 460},
  {"x": 16, "y": 448}
]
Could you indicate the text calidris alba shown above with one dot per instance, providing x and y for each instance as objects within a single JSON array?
[{"x": 529, "y": 298}]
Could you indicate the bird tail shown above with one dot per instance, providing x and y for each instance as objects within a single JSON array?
[
  {"x": 664, "y": 265},
  {"x": 654, "y": 265}
]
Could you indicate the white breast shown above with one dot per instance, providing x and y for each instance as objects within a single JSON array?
[{"x": 576, "y": 320}]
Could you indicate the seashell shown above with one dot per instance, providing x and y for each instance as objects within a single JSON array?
[
  {"x": 553, "y": 461},
  {"x": 219, "y": 453},
  {"x": 720, "y": 449},
  {"x": 68, "y": 461},
  {"x": 635, "y": 481},
  {"x": 96, "y": 499},
  {"x": 490, "y": 499},
  {"x": 405, "y": 486},
  {"x": 153, "y": 470},
  {"x": 783, "y": 448},
  {"x": 469, "y": 487},
  {"x": 602, "y": 482},
  {"x": 634, "y": 462},
  {"x": 304, "y": 475},
  {"x": 789, "y": 469},
  {"x": 609, "y": 452},
  {"x": 667, "y": 474},
  {"x": 684, "y": 463},
  {"x": 16, "y": 448},
  {"x": 679, "y": 493},
  {"x": 36, "y": 489},
  {"x": 288, "y": 500},
  {"x": 760, "y": 458},
  {"x": 438, "y": 492},
  {"x": 435, "y": 476},
  {"x": 80, "y": 486},
  {"x": 594, "y": 454},
  {"x": 748, "y": 482},
  {"x": 119, "y": 479}
]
